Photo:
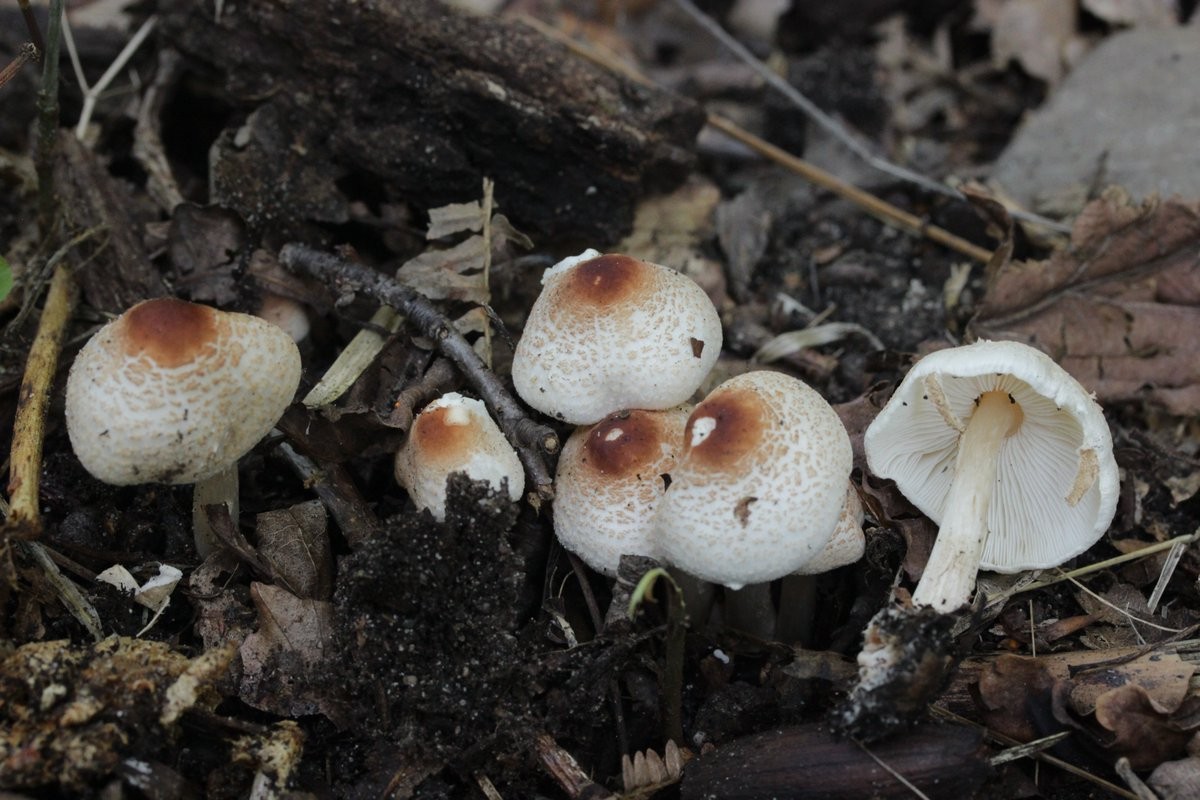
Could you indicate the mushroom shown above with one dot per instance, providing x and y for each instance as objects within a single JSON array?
[
  {"x": 761, "y": 483},
  {"x": 175, "y": 392},
  {"x": 610, "y": 479},
  {"x": 455, "y": 434},
  {"x": 610, "y": 333},
  {"x": 1006, "y": 452}
]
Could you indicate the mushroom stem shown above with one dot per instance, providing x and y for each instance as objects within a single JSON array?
[
  {"x": 949, "y": 576},
  {"x": 750, "y": 610},
  {"x": 221, "y": 488},
  {"x": 797, "y": 609}
]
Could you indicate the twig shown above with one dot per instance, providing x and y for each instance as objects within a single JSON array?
[
  {"x": 1065, "y": 766},
  {"x": 48, "y": 121},
  {"x": 868, "y": 202},
  {"x": 1099, "y": 566},
  {"x": 26, "y": 53},
  {"x": 905, "y": 782},
  {"x": 92, "y": 93},
  {"x": 29, "y": 426},
  {"x": 68, "y": 593},
  {"x": 35, "y": 30},
  {"x": 147, "y": 135},
  {"x": 852, "y": 142},
  {"x": 566, "y": 772},
  {"x": 337, "y": 492},
  {"x": 531, "y": 439},
  {"x": 1132, "y": 618}
]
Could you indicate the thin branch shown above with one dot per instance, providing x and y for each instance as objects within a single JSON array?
[
  {"x": 26, "y": 53},
  {"x": 48, "y": 120},
  {"x": 868, "y": 202},
  {"x": 854, "y": 143},
  {"x": 147, "y": 136},
  {"x": 531, "y": 439},
  {"x": 29, "y": 426},
  {"x": 92, "y": 93},
  {"x": 35, "y": 30}
]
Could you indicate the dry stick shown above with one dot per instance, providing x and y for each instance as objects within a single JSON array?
[
  {"x": 147, "y": 136},
  {"x": 35, "y": 31},
  {"x": 48, "y": 121},
  {"x": 1065, "y": 766},
  {"x": 531, "y": 439},
  {"x": 27, "y": 52},
  {"x": 852, "y": 142},
  {"x": 25, "y": 462},
  {"x": 868, "y": 202}
]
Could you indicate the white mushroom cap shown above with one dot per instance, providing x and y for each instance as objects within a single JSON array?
[
  {"x": 847, "y": 544},
  {"x": 455, "y": 434},
  {"x": 761, "y": 483},
  {"x": 610, "y": 333},
  {"x": 173, "y": 392},
  {"x": 1057, "y": 481},
  {"x": 610, "y": 479}
]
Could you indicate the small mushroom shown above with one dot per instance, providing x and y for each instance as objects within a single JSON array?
[
  {"x": 611, "y": 477},
  {"x": 1006, "y": 452},
  {"x": 175, "y": 392},
  {"x": 610, "y": 333},
  {"x": 455, "y": 434},
  {"x": 761, "y": 483}
]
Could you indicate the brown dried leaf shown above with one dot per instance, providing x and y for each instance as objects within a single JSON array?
[
  {"x": 1176, "y": 780},
  {"x": 1140, "y": 728},
  {"x": 203, "y": 243},
  {"x": 1039, "y": 34},
  {"x": 293, "y": 642},
  {"x": 1010, "y": 692},
  {"x": 1119, "y": 308},
  {"x": 295, "y": 543},
  {"x": 1163, "y": 676}
]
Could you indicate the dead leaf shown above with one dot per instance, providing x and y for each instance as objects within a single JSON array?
[
  {"x": 281, "y": 660},
  {"x": 1135, "y": 12},
  {"x": 1041, "y": 35},
  {"x": 1165, "y": 678},
  {"x": 1176, "y": 780},
  {"x": 454, "y": 218},
  {"x": 1119, "y": 309},
  {"x": 1140, "y": 728},
  {"x": 203, "y": 243},
  {"x": 294, "y": 541},
  {"x": 1013, "y": 694},
  {"x": 670, "y": 229}
]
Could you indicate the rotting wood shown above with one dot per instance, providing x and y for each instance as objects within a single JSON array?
[{"x": 396, "y": 93}]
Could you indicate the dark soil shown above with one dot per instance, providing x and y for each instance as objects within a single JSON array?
[{"x": 444, "y": 656}]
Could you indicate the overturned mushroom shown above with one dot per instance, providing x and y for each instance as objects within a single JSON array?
[{"x": 1006, "y": 452}]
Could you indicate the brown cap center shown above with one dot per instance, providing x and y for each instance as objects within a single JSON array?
[
  {"x": 724, "y": 428},
  {"x": 605, "y": 280},
  {"x": 169, "y": 332},
  {"x": 624, "y": 443}
]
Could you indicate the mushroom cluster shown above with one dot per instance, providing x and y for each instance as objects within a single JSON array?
[{"x": 748, "y": 487}]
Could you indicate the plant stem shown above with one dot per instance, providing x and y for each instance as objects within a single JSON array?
[
  {"x": 48, "y": 120},
  {"x": 29, "y": 426}
]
